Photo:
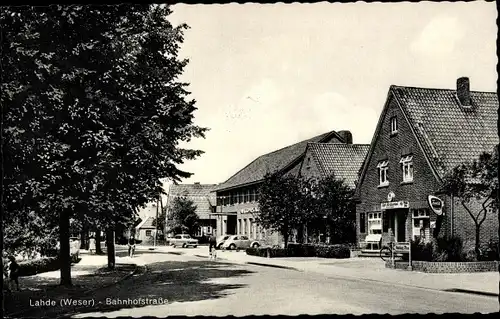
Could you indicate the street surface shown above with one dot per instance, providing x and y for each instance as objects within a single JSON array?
[{"x": 188, "y": 285}]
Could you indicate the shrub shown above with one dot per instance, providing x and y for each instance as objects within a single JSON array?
[
  {"x": 303, "y": 250},
  {"x": 37, "y": 266},
  {"x": 421, "y": 251}
]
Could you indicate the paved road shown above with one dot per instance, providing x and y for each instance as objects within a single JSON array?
[{"x": 195, "y": 286}]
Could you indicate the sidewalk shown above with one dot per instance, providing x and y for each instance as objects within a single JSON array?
[
  {"x": 372, "y": 269},
  {"x": 88, "y": 275}
]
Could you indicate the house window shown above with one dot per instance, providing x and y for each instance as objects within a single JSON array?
[
  {"x": 375, "y": 223},
  {"x": 252, "y": 195},
  {"x": 394, "y": 125},
  {"x": 383, "y": 167},
  {"x": 148, "y": 232},
  {"x": 231, "y": 199},
  {"x": 407, "y": 167},
  {"x": 244, "y": 226},
  {"x": 421, "y": 224},
  {"x": 246, "y": 197},
  {"x": 240, "y": 197},
  {"x": 362, "y": 223}
]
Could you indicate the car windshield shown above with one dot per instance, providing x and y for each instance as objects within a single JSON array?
[
  {"x": 244, "y": 237},
  {"x": 187, "y": 236}
]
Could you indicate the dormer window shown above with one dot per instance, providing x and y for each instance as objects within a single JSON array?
[
  {"x": 407, "y": 167},
  {"x": 383, "y": 168},
  {"x": 394, "y": 125}
]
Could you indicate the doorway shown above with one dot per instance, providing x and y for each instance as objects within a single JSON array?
[
  {"x": 399, "y": 223},
  {"x": 231, "y": 225}
]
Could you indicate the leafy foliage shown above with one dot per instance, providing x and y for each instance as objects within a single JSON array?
[
  {"x": 285, "y": 203},
  {"x": 475, "y": 181},
  {"x": 334, "y": 201},
  {"x": 182, "y": 216},
  {"x": 93, "y": 113}
]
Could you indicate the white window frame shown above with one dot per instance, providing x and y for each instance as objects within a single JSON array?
[
  {"x": 383, "y": 168},
  {"x": 394, "y": 125},
  {"x": 407, "y": 163},
  {"x": 149, "y": 232},
  {"x": 374, "y": 218}
]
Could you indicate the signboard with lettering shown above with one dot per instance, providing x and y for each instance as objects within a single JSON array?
[
  {"x": 436, "y": 204},
  {"x": 402, "y": 247},
  {"x": 249, "y": 210},
  {"x": 394, "y": 205}
]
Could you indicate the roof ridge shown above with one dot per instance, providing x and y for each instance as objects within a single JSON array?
[{"x": 434, "y": 89}]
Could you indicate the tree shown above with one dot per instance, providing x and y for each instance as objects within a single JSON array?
[
  {"x": 160, "y": 223},
  {"x": 93, "y": 112},
  {"x": 182, "y": 216},
  {"x": 336, "y": 206},
  {"x": 285, "y": 203},
  {"x": 475, "y": 181}
]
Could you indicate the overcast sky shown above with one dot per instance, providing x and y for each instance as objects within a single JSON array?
[{"x": 267, "y": 76}]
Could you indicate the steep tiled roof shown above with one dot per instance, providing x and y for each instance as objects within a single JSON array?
[
  {"x": 146, "y": 223},
  {"x": 272, "y": 162},
  {"x": 200, "y": 194},
  {"x": 343, "y": 161},
  {"x": 448, "y": 133}
]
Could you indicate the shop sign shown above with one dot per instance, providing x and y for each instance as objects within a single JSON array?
[
  {"x": 249, "y": 210},
  {"x": 394, "y": 205},
  {"x": 402, "y": 247},
  {"x": 436, "y": 204}
]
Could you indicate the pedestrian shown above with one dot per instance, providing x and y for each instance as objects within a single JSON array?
[
  {"x": 212, "y": 243},
  {"x": 92, "y": 245},
  {"x": 131, "y": 246},
  {"x": 13, "y": 272}
]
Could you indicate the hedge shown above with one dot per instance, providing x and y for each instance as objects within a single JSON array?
[
  {"x": 37, "y": 266},
  {"x": 303, "y": 250}
]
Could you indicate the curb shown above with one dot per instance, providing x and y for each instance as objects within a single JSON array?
[
  {"x": 130, "y": 274},
  {"x": 472, "y": 292},
  {"x": 271, "y": 265}
]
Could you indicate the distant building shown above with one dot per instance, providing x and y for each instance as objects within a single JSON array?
[
  {"x": 145, "y": 231},
  {"x": 421, "y": 135},
  {"x": 204, "y": 200},
  {"x": 237, "y": 198}
]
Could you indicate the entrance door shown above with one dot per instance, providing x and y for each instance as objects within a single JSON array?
[
  {"x": 231, "y": 225},
  {"x": 400, "y": 224}
]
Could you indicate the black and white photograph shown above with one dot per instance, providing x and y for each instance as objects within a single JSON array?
[{"x": 241, "y": 159}]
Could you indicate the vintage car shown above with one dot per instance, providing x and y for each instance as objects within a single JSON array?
[
  {"x": 183, "y": 240},
  {"x": 239, "y": 242}
]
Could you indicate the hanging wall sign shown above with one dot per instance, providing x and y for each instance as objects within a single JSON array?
[{"x": 436, "y": 204}]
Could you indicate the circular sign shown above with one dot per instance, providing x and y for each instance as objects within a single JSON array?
[
  {"x": 390, "y": 196},
  {"x": 436, "y": 204}
]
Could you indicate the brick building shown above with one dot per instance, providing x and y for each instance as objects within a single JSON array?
[
  {"x": 204, "y": 200},
  {"x": 342, "y": 161},
  {"x": 422, "y": 134},
  {"x": 237, "y": 197}
]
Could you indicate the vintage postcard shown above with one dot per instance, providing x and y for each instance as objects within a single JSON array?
[{"x": 250, "y": 159}]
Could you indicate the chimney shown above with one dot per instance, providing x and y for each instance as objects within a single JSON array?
[
  {"x": 346, "y": 136},
  {"x": 463, "y": 91}
]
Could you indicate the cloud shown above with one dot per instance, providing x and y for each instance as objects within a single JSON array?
[{"x": 439, "y": 37}]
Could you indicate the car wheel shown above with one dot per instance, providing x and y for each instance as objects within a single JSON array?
[
  {"x": 173, "y": 245},
  {"x": 232, "y": 246},
  {"x": 195, "y": 246},
  {"x": 255, "y": 245},
  {"x": 220, "y": 246},
  {"x": 183, "y": 245}
]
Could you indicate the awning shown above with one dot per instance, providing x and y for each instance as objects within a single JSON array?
[
  {"x": 382, "y": 164},
  {"x": 373, "y": 238},
  {"x": 407, "y": 158}
]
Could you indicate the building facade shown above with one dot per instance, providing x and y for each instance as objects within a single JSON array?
[
  {"x": 237, "y": 198},
  {"x": 203, "y": 198},
  {"x": 421, "y": 135}
]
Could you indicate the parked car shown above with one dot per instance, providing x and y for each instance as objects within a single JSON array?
[
  {"x": 239, "y": 242},
  {"x": 184, "y": 241},
  {"x": 220, "y": 240}
]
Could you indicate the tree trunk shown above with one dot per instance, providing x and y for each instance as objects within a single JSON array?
[
  {"x": 478, "y": 242},
  {"x": 98, "y": 240},
  {"x": 64, "y": 248},
  {"x": 110, "y": 245}
]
